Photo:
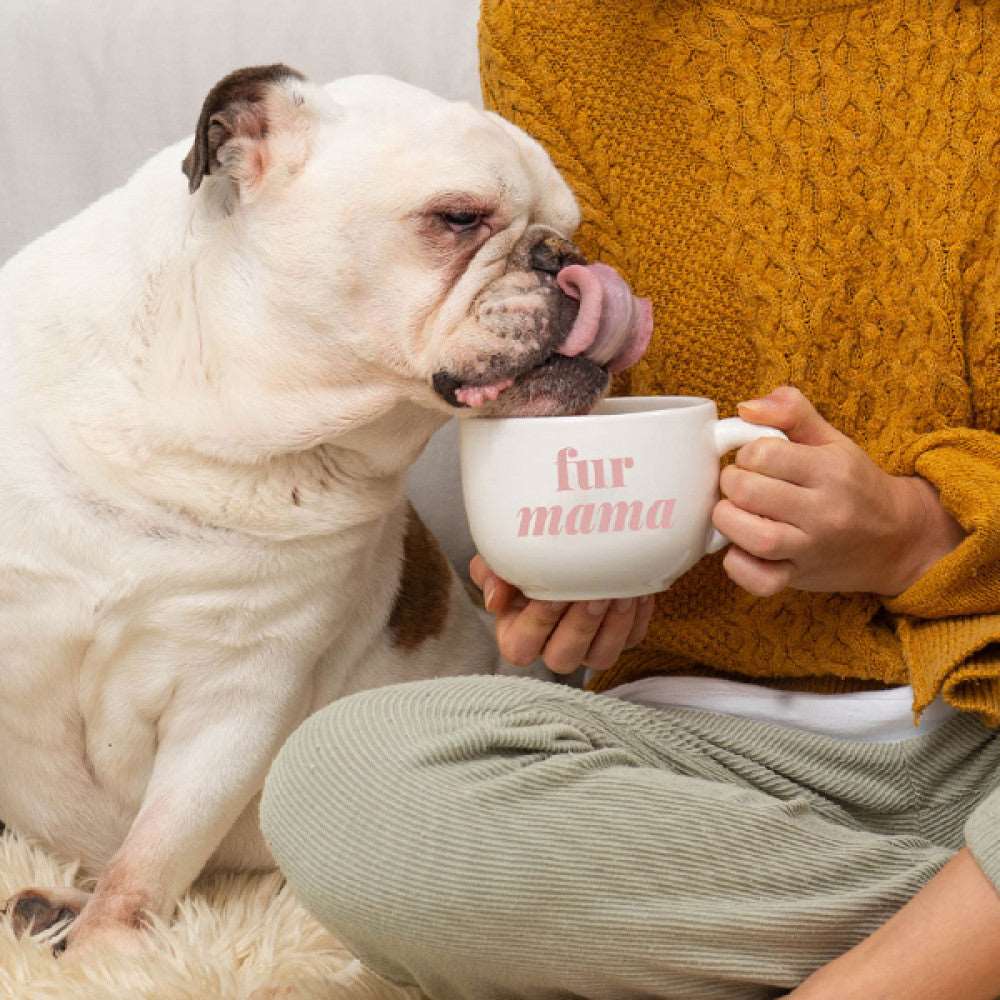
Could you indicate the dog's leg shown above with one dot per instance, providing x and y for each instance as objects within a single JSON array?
[
  {"x": 217, "y": 739},
  {"x": 33, "y": 911}
]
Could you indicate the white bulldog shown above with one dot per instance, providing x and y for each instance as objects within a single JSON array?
[{"x": 209, "y": 395}]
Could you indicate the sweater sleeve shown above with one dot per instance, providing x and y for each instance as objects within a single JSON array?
[
  {"x": 948, "y": 621},
  {"x": 964, "y": 466}
]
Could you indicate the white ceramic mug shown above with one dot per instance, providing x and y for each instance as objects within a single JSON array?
[{"x": 616, "y": 503}]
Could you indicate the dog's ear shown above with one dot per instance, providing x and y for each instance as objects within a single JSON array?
[{"x": 242, "y": 122}]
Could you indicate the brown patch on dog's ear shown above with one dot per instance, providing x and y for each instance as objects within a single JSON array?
[
  {"x": 235, "y": 108},
  {"x": 421, "y": 606}
]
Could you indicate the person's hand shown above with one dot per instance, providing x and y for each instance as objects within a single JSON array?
[
  {"x": 816, "y": 513},
  {"x": 566, "y": 635}
]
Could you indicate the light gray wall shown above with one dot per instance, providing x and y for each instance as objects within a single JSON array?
[{"x": 89, "y": 89}]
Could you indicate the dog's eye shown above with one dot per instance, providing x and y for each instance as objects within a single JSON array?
[{"x": 462, "y": 222}]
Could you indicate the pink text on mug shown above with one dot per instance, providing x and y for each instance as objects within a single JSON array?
[{"x": 580, "y": 474}]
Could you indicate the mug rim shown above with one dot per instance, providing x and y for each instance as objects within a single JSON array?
[{"x": 681, "y": 404}]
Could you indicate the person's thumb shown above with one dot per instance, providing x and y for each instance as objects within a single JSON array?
[{"x": 788, "y": 410}]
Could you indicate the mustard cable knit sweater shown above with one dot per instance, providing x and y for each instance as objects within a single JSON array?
[{"x": 808, "y": 191}]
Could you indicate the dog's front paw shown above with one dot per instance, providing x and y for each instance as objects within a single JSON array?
[{"x": 36, "y": 911}]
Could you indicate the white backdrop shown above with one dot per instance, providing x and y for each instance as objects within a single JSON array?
[{"x": 90, "y": 88}]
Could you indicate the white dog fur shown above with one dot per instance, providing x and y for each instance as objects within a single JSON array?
[{"x": 209, "y": 395}]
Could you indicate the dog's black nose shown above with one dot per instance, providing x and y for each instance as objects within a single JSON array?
[{"x": 552, "y": 253}]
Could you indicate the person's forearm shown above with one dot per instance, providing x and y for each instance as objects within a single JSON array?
[{"x": 942, "y": 945}]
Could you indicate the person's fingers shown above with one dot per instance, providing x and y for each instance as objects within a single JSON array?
[
  {"x": 788, "y": 409},
  {"x": 767, "y": 497},
  {"x": 498, "y": 594},
  {"x": 478, "y": 570},
  {"x": 643, "y": 616},
  {"x": 522, "y": 633},
  {"x": 801, "y": 464},
  {"x": 572, "y": 637},
  {"x": 759, "y": 577},
  {"x": 760, "y": 536},
  {"x": 612, "y": 635}
]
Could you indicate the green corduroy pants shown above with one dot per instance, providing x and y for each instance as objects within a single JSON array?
[{"x": 488, "y": 837}]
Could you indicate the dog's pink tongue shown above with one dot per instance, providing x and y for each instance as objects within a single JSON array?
[{"x": 612, "y": 327}]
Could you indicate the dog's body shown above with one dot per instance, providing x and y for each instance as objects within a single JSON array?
[{"x": 209, "y": 401}]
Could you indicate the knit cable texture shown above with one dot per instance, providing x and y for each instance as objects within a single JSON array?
[{"x": 808, "y": 192}]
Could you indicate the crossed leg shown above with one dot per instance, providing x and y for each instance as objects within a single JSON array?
[{"x": 500, "y": 837}]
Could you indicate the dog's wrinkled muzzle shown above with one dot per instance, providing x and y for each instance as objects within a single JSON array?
[{"x": 598, "y": 327}]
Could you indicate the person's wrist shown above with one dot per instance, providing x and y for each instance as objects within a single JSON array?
[{"x": 927, "y": 533}]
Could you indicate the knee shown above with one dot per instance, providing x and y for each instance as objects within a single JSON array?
[
  {"x": 332, "y": 793},
  {"x": 335, "y": 780},
  {"x": 381, "y": 809},
  {"x": 349, "y": 799},
  {"x": 355, "y": 754}
]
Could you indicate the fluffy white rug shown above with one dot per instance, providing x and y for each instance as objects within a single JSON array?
[{"x": 233, "y": 938}]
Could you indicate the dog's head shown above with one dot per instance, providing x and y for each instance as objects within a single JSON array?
[{"x": 391, "y": 234}]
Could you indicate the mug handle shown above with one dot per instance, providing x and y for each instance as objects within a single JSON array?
[{"x": 734, "y": 432}]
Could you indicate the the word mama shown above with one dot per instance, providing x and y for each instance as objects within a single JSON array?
[{"x": 576, "y": 474}]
